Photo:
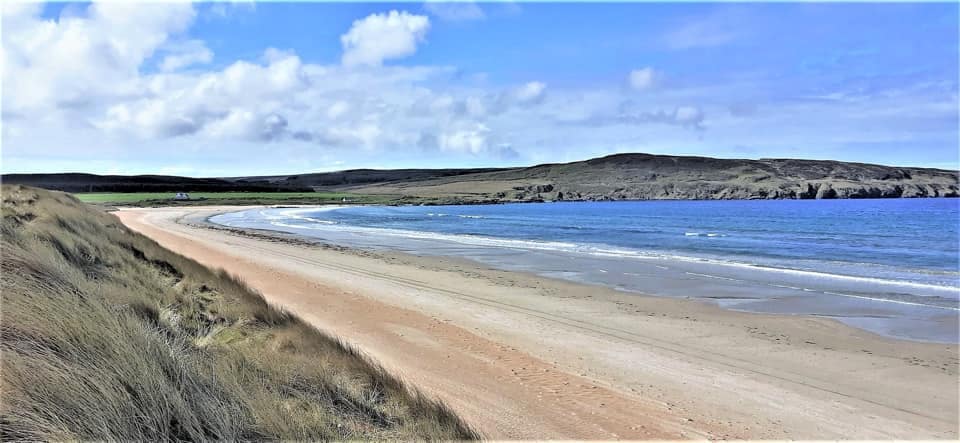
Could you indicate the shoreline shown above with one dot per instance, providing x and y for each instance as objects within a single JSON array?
[
  {"x": 439, "y": 261},
  {"x": 894, "y": 307},
  {"x": 681, "y": 368}
]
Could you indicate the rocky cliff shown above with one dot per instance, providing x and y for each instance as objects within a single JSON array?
[{"x": 645, "y": 176}]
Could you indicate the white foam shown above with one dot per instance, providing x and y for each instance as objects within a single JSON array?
[
  {"x": 645, "y": 255},
  {"x": 594, "y": 250},
  {"x": 899, "y": 302},
  {"x": 286, "y": 225},
  {"x": 462, "y": 239},
  {"x": 786, "y": 287},
  {"x": 863, "y": 297},
  {"x": 713, "y": 276}
]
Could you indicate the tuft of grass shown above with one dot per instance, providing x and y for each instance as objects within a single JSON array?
[{"x": 106, "y": 335}]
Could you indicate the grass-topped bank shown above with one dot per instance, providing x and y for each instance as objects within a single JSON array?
[
  {"x": 231, "y": 198},
  {"x": 166, "y": 199},
  {"x": 108, "y": 336}
]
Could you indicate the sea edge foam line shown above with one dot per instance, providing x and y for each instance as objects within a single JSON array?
[{"x": 581, "y": 248}]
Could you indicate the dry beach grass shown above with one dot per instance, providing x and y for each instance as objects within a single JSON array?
[{"x": 106, "y": 335}]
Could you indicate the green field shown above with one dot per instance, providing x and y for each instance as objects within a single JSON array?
[{"x": 128, "y": 198}]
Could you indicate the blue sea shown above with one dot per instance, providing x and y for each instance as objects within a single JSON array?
[{"x": 887, "y": 266}]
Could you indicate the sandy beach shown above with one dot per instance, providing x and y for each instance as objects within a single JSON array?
[{"x": 526, "y": 357}]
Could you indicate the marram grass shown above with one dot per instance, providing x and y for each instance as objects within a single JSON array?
[{"x": 105, "y": 335}]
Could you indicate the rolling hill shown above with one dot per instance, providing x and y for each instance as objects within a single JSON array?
[
  {"x": 614, "y": 177},
  {"x": 645, "y": 177}
]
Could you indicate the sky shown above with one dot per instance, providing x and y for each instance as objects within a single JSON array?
[{"x": 243, "y": 88}]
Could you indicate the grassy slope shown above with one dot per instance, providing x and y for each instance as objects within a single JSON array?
[
  {"x": 613, "y": 177},
  {"x": 228, "y": 198},
  {"x": 106, "y": 335},
  {"x": 133, "y": 197},
  {"x": 643, "y": 176}
]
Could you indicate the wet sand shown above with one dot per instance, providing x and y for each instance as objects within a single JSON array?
[{"x": 521, "y": 356}]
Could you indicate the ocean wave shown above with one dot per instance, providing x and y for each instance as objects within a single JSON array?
[
  {"x": 897, "y": 301},
  {"x": 314, "y": 220},
  {"x": 588, "y": 249},
  {"x": 476, "y": 240},
  {"x": 297, "y": 214}
]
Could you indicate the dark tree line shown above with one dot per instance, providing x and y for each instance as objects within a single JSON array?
[{"x": 146, "y": 183}]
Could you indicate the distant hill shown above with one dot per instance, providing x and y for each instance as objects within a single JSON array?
[
  {"x": 364, "y": 176},
  {"x": 645, "y": 176},
  {"x": 614, "y": 177},
  {"x": 78, "y": 182}
]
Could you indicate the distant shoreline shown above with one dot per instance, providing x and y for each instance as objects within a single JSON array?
[{"x": 412, "y": 201}]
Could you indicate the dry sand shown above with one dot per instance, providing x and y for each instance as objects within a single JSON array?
[{"x": 523, "y": 357}]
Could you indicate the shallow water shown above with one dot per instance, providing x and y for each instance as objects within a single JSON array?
[{"x": 888, "y": 266}]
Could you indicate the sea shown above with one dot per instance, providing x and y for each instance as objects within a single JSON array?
[{"x": 889, "y": 266}]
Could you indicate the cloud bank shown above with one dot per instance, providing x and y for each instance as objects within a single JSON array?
[{"x": 106, "y": 83}]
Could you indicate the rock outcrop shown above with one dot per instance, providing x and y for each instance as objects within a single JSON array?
[{"x": 661, "y": 177}]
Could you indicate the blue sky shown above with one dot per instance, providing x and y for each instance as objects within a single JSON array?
[{"x": 263, "y": 88}]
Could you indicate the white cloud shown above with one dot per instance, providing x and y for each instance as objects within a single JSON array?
[
  {"x": 475, "y": 107},
  {"x": 331, "y": 106},
  {"x": 473, "y": 140},
  {"x": 96, "y": 55},
  {"x": 688, "y": 116},
  {"x": 380, "y": 37},
  {"x": 152, "y": 119},
  {"x": 223, "y": 9},
  {"x": 19, "y": 8},
  {"x": 642, "y": 79},
  {"x": 704, "y": 32},
  {"x": 242, "y": 101},
  {"x": 363, "y": 134},
  {"x": 455, "y": 10},
  {"x": 186, "y": 54},
  {"x": 248, "y": 125},
  {"x": 530, "y": 93},
  {"x": 337, "y": 109}
]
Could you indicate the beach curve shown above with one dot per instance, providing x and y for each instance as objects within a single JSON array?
[{"x": 522, "y": 356}]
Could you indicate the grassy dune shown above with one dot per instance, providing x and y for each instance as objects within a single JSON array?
[{"x": 105, "y": 335}]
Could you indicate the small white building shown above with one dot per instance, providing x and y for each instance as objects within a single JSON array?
[{"x": 181, "y": 196}]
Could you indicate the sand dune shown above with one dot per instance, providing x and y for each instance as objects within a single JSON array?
[{"x": 521, "y": 356}]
